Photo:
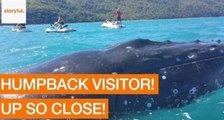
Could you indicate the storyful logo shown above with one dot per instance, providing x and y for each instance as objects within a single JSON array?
[{"x": 13, "y": 11}]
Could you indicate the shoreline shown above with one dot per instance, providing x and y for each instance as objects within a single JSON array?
[{"x": 123, "y": 20}]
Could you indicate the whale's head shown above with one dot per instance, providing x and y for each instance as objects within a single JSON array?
[{"x": 186, "y": 69}]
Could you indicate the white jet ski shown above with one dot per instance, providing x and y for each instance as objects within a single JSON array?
[
  {"x": 55, "y": 29},
  {"x": 109, "y": 24},
  {"x": 20, "y": 30}
]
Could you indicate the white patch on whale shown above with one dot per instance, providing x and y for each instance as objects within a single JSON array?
[
  {"x": 193, "y": 91},
  {"x": 175, "y": 91},
  {"x": 164, "y": 77},
  {"x": 149, "y": 105},
  {"x": 187, "y": 115},
  {"x": 212, "y": 48},
  {"x": 125, "y": 102},
  {"x": 61, "y": 69},
  {"x": 128, "y": 47},
  {"x": 191, "y": 56},
  {"x": 55, "y": 70}
]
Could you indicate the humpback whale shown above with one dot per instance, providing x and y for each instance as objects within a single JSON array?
[{"x": 187, "y": 71}]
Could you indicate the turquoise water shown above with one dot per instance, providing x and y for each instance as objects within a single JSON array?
[{"x": 25, "y": 49}]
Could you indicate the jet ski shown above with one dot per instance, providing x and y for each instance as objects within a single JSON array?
[
  {"x": 20, "y": 29},
  {"x": 59, "y": 29},
  {"x": 109, "y": 24}
]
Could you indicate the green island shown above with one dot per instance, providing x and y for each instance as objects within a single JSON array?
[{"x": 47, "y": 11}]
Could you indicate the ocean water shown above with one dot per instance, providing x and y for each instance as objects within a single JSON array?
[{"x": 18, "y": 50}]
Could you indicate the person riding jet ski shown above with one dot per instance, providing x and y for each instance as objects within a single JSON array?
[
  {"x": 59, "y": 27},
  {"x": 60, "y": 23},
  {"x": 20, "y": 26}
]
